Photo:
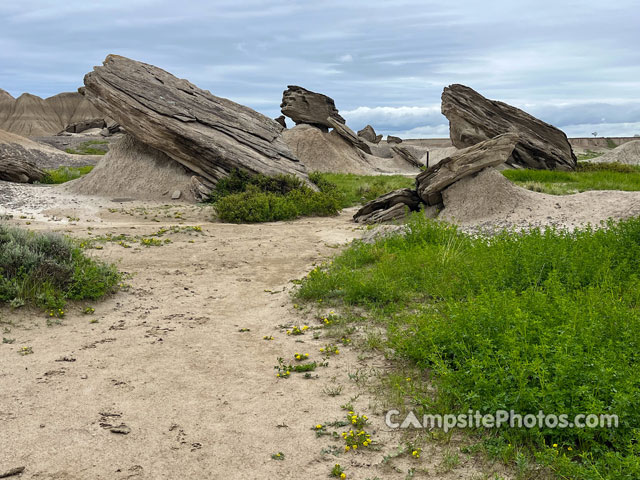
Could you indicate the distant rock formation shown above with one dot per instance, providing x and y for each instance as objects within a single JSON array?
[
  {"x": 369, "y": 134},
  {"x": 304, "y": 106},
  {"x": 473, "y": 119},
  {"x": 31, "y": 116},
  {"x": 392, "y": 139}
]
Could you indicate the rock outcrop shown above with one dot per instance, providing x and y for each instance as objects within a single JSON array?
[
  {"x": 84, "y": 125},
  {"x": 304, "y": 106},
  {"x": 20, "y": 150},
  {"x": 463, "y": 163},
  {"x": 15, "y": 168},
  {"x": 349, "y": 135},
  {"x": 627, "y": 153},
  {"x": 281, "y": 120},
  {"x": 208, "y": 135},
  {"x": 391, "y": 206},
  {"x": 431, "y": 183},
  {"x": 407, "y": 155},
  {"x": 474, "y": 119},
  {"x": 31, "y": 116},
  {"x": 391, "y": 139}
]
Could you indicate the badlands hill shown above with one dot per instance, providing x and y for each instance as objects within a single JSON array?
[{"x": 31, "y": 116}]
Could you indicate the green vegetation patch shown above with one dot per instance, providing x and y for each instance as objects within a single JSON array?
[
  {"x": 65, "y": 174},
  {"x": 245, "y": 198},
  {"x": 536, "y": 321},
  {"x": 88, "y": 148},
  {"x": 47, "y": 269},
  {"x": 589, "y": 176},
  {"x": 357, "y": 189}
]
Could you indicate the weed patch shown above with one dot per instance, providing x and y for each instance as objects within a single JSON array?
[
  {"x": 535, "y": 321},
  {"x": 64, "y": 174}
]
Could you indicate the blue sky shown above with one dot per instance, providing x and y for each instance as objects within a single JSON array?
[{"x": 573, "y": 64}]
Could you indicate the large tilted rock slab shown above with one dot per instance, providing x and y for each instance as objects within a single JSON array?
[
  {"x": 390, "y": 206},
  {"x": 304, "y": 106},
  {"x": 468, "y": 161},
  {"x": 207, "y": 134},
  {"x": 473, "y": 119}
]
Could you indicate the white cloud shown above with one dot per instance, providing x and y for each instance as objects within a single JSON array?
[{"x": 345, "y": 58}]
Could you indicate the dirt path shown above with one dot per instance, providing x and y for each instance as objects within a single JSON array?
[{"x": 166, "y": 358}]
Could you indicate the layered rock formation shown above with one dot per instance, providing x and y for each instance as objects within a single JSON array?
[
  {"x": 208, "y": 135},
  {"x": 473, "y": 119}
]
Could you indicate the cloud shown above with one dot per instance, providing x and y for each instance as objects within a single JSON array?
[{"x": 384, "y": 63}]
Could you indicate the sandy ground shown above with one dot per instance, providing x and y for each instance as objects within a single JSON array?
[{"x": 166, "y": 361}]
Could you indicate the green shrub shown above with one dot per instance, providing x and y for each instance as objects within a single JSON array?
[
  {"x": 47, "y": 269},
  {"x": 65, "y": 174},
  {"x": 542, "y": 320},
  {"x": 243, "y": 198}
]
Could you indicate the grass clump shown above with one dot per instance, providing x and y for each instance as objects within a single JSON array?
[
  {"x": 536, "y": 321},
  {"x": 589, "y": 176},
  {"x": 245, "y": 198},
  {"x": 47, "y": 270},
  {"x": 356, "y": 189},
  {"x": 88, "y": 148},
  {"x": 65, "y": 174}
]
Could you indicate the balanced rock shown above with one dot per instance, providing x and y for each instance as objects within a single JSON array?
[
  {"x": 473, "y": 119},
  {"x": 209, "y": 135},
  {"x": 304, "y": 106},
  {"x": 392, "y": 139},
  {"x": 465, "y": 162},
  {"x": 368, "y": 134}
]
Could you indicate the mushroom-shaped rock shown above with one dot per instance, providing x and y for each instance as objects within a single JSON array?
[{"x": 304, "y": 106}]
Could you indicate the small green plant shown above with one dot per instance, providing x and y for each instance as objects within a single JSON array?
[
  {"x": 330, "y": 349},
  {"x": 26, "y": 351},
  {"x": 338, "y": 472},
  {"x": 89, "y": 310},
  {"x": 282, "y": 369},
  {"x": 277, "y": 456},
  {"x": 297, "y": 330}
]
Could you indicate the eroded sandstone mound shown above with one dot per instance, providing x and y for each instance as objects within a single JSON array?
[
  {"x": 132, "y": 169},
  {"x": 32, "y": 116},
  {"x": 474, "y": 119},
  {"x": 208, "y": 135}
]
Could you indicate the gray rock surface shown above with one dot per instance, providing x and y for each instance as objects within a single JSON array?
[
  {"x": 368, "y": 134},
  {"x": 474, "y": 119},
  {"x": 304, "y": 106},
  {"x": 390, "y": 206},
  {"x": 391, "y": 139},
  {"x": 349, "y": 135}
]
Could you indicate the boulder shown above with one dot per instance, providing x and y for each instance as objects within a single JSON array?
[
  {"x": 15, "y": 168},
  {"x": 391, "y": 206},
  {"x": 304, "y": 106},
  {"x": 392, "y": 139},
  {"x": 377, "y": 139},
  {"x": 83, "y": 125},
  {"x": 281, "y": 120},
  {"x": 465, "y": 162},
  {"x": 209, "y": 135},
  {"x": 349, "y": 135},
  {"x": 473, "y": 119},
  {"x": 368, "y": 134}
]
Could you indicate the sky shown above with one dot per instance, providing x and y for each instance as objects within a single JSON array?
[{"x": 573, "y": 64}]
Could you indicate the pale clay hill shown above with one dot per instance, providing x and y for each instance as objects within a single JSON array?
[{"x": 31, "y": 116}]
